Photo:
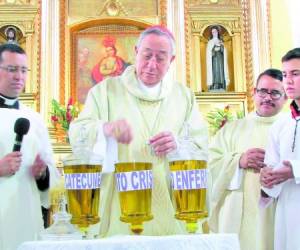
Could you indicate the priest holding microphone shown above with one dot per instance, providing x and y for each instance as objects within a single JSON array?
[{"x": 27, "y": 167}]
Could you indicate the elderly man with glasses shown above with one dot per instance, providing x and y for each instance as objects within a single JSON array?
[
  {"x": 131, "y": 118},
  {"x": 236, "y": 156}
]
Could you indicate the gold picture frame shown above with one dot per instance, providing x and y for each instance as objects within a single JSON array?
[
  {"x": 98, "y": 55},
  {"x": 101, "y": 21},
  {"x": 88, "y": 40}
]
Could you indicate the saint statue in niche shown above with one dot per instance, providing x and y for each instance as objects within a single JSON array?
[
  {"x": 11, "y": 34},
  {"x": 216, "y": 61}
]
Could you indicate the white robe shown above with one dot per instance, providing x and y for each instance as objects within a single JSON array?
[
  {"x": 287, "y": 219},
  {"x": 20, "y": 209}
]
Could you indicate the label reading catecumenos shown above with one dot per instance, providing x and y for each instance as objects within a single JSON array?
[
  {"x": 189, "y": 179},
  {"x": 136, "y": 180},
  {"x": 79, "y": 181}
]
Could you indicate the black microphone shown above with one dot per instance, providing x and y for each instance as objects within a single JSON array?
[{"x": 21, "y": 128}]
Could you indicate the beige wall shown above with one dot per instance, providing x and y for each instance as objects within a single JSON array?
[{"x": 281, "y": 34}]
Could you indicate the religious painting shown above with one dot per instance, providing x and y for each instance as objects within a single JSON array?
[{"x": 100, "y": 55}]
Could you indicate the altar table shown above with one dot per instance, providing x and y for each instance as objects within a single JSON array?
[{"x": 174, "y": 242}]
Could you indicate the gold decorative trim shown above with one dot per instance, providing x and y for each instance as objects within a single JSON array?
[
  {"x": 38, "y": 59},
  {"x": 224, "y": 96},
  {"x": 187, "y": 33},
  {"x": 59, "y": 148},
  {"x": 269, "y": 30},
  {"x": 62, "y": 38},
  {"x": 248, "y": 54},
  {"x": 163, "y": 11},
  {"x": 214, "y": 3},
  {"x": 198, "y": 26},
  {"x": 107, "y": 21},
  {"x": 207, "y": 101},
  {"x": 18, "y": 2},
  {"x": 113, "y": 8},
  {"x": 28, "y": 99}
]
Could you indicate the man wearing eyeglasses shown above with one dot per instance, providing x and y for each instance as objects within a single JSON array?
[
  {"x": 24, "y": 175},
  {"x": 236, "y": 156},
  {"x": 281, "y": 177},
  {"x": 131, "y": 118}
]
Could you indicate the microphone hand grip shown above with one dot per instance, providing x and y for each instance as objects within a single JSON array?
[
  {"x": 21, "y": 128},
  {"x": 17, "y": 146}
]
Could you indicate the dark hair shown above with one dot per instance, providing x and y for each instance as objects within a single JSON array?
[
  {"x": 216, "y": 27},
  {"x": 292, "y": 54},
  {"x": 274, "y": 73},
  {"x": 11, "y": 29},
  {"x": 13, "y": 48}
]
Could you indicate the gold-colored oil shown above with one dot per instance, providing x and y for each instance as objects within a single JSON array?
[
  {"x": 190, "y": 204},
  {"x": 136, "y": 204},
  {"x": 83, "y": 204}
]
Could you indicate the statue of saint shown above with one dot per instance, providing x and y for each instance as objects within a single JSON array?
[
  {"x": 216, "y": 62},
  {"x": 11, "y": 35}
]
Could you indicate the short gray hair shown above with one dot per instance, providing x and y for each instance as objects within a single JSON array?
[{"x": 160, "y": 31}]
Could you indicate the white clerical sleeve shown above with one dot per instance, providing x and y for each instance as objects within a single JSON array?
[
  {"x": 274, "y": 191},
  {"x": 236, "y": 180},
  {"x": 296, "y": 170},
  {"x": 107, "y": 147},
  {"x": 46, "y": 154},
  {"x": 272, "y": 159},
  {"x": 44, "y": 142},
  {"x": 272, "y": 155}
]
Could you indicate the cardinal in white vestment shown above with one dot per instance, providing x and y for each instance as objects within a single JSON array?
[{"x": 142, "y": 110}]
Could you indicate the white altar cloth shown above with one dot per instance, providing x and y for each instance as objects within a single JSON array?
[{"x": 174, "y": 242}]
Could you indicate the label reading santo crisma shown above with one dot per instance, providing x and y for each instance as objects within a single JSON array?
[
  {"x": 79, "y": 181},
  {"x": 135, "y": 180},
  {"x": 189, "y": 179}
]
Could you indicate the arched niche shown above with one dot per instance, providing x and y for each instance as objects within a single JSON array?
[
  {"x": 24, "y": 18},
  {"x": 226, "y": 35},
  {"x": 13, "y": 34}
]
